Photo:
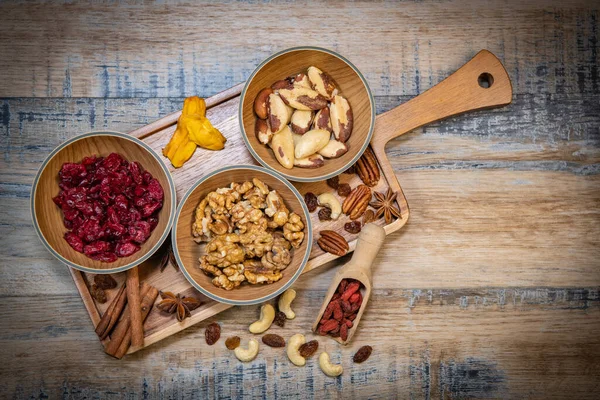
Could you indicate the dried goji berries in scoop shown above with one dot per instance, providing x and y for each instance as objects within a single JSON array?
[
  {"x": 342, "y": 309},
  {"x": 109, "y": 205}
]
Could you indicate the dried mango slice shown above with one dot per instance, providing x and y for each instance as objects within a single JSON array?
[
  {"x": 193, "y": 129},
  {"x": 203, "y": 133}
]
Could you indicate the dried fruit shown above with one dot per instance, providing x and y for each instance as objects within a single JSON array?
[
  {"x": 362, "y": 354},
  {"x": 342, "y": 309},
  {"x": 273, "y": 340},
  {"x": 332, "y": 242},
  {"x": 367, "y": 168},
  {"x": 212, "y": 333},
  {"x": 311, "y": 201},
  {"x": 368, "y": 216},
  {"x": 105, "y": 281},
  {"x": 178, "y": 304},
  {"x": 309, "y": 348},
  {"x": 384, "y": 206},
  {"x": 193, "y": 129},
  {"x": 334, "y": 182},
  {"x": 325, "y": 214},
  {"x": 328, "y": 326},
  {"x": 344, "y": 332},
  {"x": 337, "y": 311},
  {"x": 109, "y": 205},
  {"x": 352, "y": 227},
  {"x": 352, "y": 288},
  {"x": 232, "y": 342},
  {"x": 279, "y": 319},
  {"x": 344, "y": 189},
  {"x": 357, "y": 202},
  {"x": 98, "y": 294}
]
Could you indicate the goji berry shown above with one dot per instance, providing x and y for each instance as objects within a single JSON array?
[
  {"x": 328, "y": 311},
  {"x": 337, "y": 311},
  {"x": 350, "y": 290},
  {"x": 330, "y": 326},
  {"x": 342, "y": 286},
  {"x": 346, "y": 306},
  {"x": 354, "y": 297},
  {"x": 344, "y": 332}
]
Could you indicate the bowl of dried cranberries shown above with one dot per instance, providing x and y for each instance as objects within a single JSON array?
[{"x": 103, "y": 202}]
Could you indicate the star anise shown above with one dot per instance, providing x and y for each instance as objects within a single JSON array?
[
  {"x": 384, "y": 206},
  {"x": 178, "y": 304}
]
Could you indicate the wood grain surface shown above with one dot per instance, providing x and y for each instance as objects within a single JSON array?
[{"x": 489, "y": 291}]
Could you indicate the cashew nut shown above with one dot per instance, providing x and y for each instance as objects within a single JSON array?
[
  {"x": 285, "y": 303},
  {"x": 249, "y": 354},
  {"x": 267, "y": 315},
  {"x": 329, "y": 200},
  {"x": 292, "y": 349},
  {"x": 329, "y": 368}
]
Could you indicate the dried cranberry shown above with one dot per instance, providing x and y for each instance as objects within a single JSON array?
[
  {"x": 107, "y": 202},
  {"x": 155, "y": 191},
  {"x": 136, "y": 172},
  {"x": 112, "y": 162},
  {"x": 139, "y": 231},
  {"x": 147, "y": 177},
  {"x": 74, "y": 241},
  {"x": 105, "y": 257},
  {"x": 150, "y": 209},
  {"x": 90, "y": 230},
  {"x": 96, "y": 247},
  {"x": 153, "y": 221},
  {"x": 140, "y": 190},
  {"x": 126, "y": 249}
]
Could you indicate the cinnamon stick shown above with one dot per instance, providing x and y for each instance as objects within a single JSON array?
[
  {"x": 112, "y": 313},
  {"x": 147, "y": 303},
  {"x": 118, "y": 334},
  {"x": 135, "y": 312}
]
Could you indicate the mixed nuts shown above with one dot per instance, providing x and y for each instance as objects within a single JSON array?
[{"x": 304, "y": 119}]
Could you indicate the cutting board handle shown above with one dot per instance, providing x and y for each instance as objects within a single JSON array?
[{"x": 481, "y": 83}]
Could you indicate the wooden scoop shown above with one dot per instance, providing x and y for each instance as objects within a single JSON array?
[{"x": 369, "y": 243}]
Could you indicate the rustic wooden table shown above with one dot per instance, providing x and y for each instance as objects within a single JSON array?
[{"x": 489, "y": 291}]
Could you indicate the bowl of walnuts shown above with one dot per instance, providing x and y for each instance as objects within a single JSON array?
[
  {"x": 242, "y": 235},
  {"x": 307, "y": 113}
]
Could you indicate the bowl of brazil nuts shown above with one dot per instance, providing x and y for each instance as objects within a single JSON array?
[{"x": 307, "y": 113}]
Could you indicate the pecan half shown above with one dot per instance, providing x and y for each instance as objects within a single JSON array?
[
  {"x": 367, "y": 168},
  {"x": 357, "y": 202},
  {"x": 332, "y": 242}
]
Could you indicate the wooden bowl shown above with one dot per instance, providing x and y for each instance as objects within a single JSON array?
[
  {"x": 352, "y": 86},
  {"x": 187, "y": 252},
  {"x": 48, "y": 218}
]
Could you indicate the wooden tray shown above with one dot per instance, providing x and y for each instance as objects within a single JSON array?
[{"x": 461, "y": 92}]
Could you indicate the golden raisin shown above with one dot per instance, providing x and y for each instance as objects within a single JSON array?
[{"x": 232, "y": 342}]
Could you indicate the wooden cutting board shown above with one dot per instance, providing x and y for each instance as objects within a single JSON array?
[{"x": 481, "y": 83}]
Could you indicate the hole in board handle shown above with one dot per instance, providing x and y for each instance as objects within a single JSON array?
[{"x": 485, "y": 80}]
